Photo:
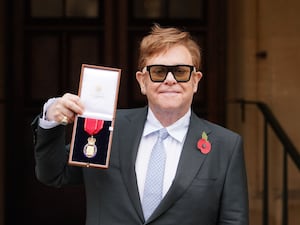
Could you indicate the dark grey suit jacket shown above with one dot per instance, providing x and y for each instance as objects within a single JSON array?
[{"x": 208, "y": 189}]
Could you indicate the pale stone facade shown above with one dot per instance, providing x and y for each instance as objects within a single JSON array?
[{"x": 272, "y": 27}]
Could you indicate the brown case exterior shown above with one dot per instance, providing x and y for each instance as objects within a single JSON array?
[{"x": 104, "y": 137}]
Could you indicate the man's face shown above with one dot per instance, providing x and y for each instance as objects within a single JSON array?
[{"x": 169, "y": 96}]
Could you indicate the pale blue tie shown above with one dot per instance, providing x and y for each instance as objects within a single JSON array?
[{"x": 155, "y": 176}]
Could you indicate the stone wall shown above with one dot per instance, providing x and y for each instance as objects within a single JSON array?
[{"x": 269, "y": 28}]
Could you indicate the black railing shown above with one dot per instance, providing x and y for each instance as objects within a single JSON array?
[{"x": 288, "y": 150}]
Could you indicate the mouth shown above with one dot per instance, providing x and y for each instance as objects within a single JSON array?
[{"x": 169, "y": 92}]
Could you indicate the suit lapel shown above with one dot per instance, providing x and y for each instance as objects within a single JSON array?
[
  {"x": 130, "y": 137},
  {"x": 189, "y": 164}
]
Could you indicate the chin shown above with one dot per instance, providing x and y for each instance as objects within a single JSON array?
[{"x": 171, "y": 108}]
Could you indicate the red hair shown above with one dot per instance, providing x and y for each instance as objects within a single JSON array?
[{"x": 161, "y": 39}]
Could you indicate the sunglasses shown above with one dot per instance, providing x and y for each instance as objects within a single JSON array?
[{"x": 181, "y": 73}]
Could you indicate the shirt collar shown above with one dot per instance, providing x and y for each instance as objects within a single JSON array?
[{"x": 177, "y": 130}]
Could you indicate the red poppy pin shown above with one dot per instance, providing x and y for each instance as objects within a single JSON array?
[{"x": 203, "y": 144}]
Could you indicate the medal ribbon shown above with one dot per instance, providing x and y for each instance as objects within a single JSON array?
[{"x": 93, "y": 126}]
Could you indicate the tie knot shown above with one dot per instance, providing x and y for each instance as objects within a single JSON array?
[{"x": 163, "y": 134}]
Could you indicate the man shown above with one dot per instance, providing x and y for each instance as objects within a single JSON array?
[{"x": 204, "y": 178}]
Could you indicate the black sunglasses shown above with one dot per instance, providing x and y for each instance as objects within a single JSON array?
[{"x": 181, "y": 73}]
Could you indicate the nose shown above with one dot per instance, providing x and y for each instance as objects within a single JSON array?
[{"x": 170, "y": 79}]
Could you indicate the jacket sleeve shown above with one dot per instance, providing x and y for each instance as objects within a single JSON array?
[
  {"x": 234, "y": 205},
  {"x": 51, "y": 157}
]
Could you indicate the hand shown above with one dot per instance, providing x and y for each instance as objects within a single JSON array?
[{"x": 64, "y": 109}]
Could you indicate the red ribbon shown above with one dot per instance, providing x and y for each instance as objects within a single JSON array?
[{"x": 93, "y": 126}]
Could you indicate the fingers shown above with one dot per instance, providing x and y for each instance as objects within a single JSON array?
[
  {"x": 70, "y": 104},
  {"x": 64, "y": 109}
]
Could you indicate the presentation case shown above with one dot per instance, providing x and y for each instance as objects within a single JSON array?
[{"x": 93, "y": 130}]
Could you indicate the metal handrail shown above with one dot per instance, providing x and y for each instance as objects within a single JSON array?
[
  {"x": 288, "y": 148},
  {"x": 278, "y": 130}
]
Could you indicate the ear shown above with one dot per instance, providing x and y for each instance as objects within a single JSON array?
[
  {"x": 140, "y": 77},
  {"x": 196, "y": 77}
]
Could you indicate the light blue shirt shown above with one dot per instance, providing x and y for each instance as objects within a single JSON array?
[{"x": 173, "y": 146}]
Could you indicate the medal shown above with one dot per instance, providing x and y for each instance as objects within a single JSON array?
[
  {"x": 92, "y": 127},
  {"x": 90, "y": 149}
]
